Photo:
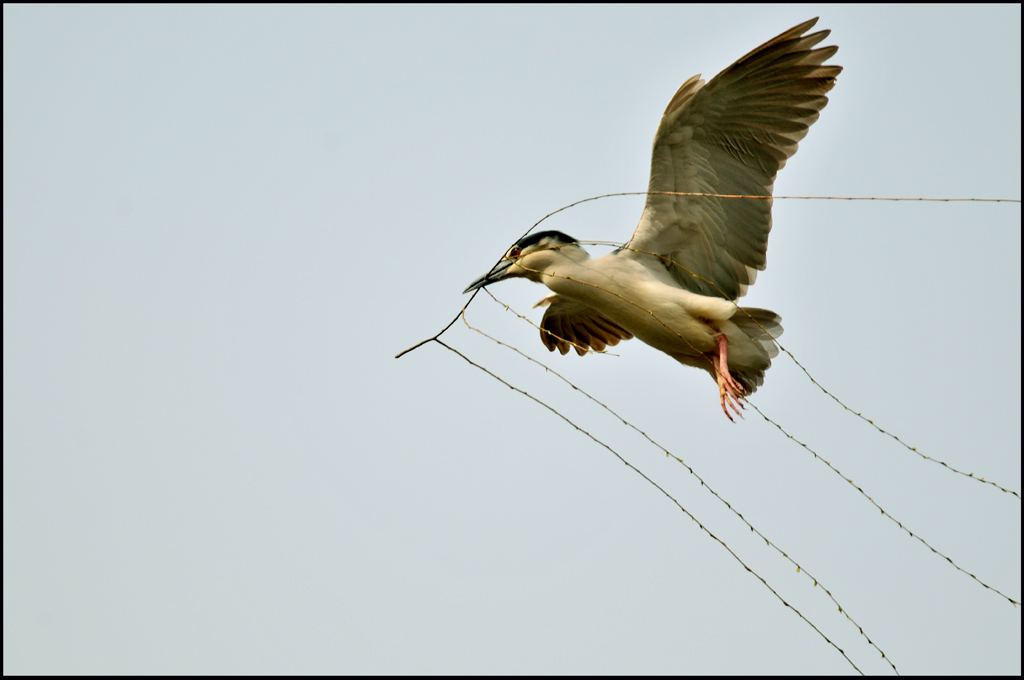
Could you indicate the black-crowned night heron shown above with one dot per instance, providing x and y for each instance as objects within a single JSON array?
[{"x": 673, "y": 285}]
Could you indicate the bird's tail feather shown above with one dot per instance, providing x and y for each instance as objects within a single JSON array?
[{"x": 760, "y": 325}]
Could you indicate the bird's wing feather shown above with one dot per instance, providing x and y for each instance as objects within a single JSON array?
[
  {"x": 568, "y": 323},
  {"x": 730, "y": 136}
]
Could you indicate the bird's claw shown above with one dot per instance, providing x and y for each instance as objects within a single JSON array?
[{"x": 730, "y": 395}]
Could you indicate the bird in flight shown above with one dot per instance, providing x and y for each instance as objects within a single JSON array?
[{"x": 675, "y": 283}]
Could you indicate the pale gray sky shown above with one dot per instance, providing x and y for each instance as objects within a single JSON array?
[{"x": 222, "y": 223}]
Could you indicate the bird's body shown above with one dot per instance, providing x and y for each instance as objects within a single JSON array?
[
  {"x": 625, "y": 290},
  {"x": 674, "y": 284}
]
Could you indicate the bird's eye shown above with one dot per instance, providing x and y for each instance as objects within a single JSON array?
[{"x": 514, "y": 252}]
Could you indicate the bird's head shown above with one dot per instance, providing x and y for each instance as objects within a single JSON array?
[{"x": 530, "y": 257}]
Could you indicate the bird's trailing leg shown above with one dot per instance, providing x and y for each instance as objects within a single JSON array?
[{"x": 730, "y": 392}]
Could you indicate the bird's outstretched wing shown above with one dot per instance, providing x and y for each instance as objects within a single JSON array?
[
  {"x": 731, "y": 136},
  {"x": 568, "y": 323}
]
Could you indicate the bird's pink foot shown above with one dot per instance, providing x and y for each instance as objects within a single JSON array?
[{"x": 730, "y": 391}]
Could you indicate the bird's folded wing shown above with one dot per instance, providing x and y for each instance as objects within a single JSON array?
[
  {"x": 568, "y": 323},
  {"x": 730, "y": 136}
]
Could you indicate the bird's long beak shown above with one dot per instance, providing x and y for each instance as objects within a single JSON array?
[{"x": 496, "y": 274}]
